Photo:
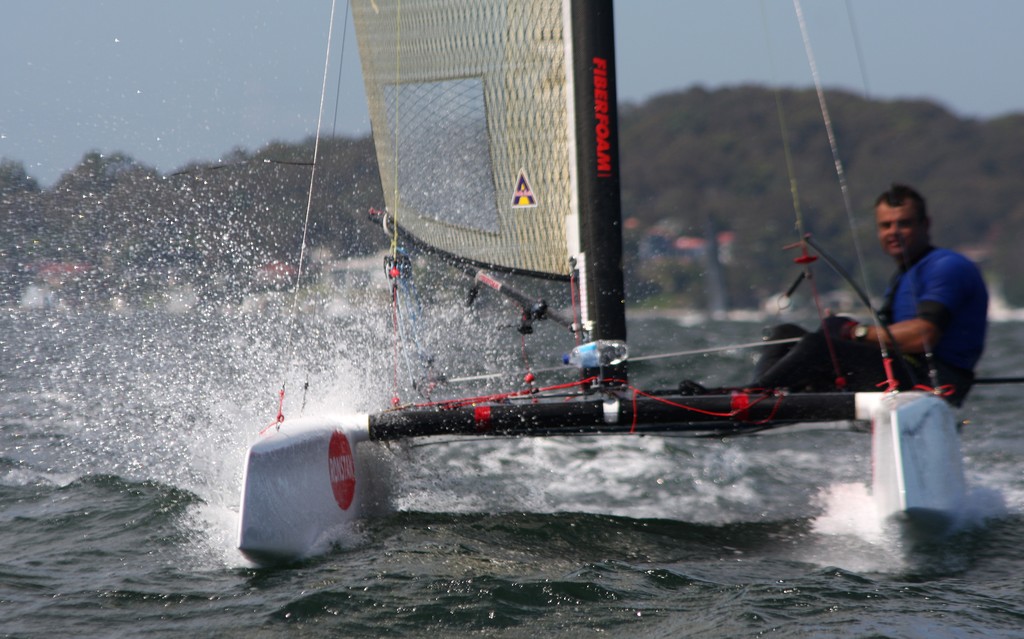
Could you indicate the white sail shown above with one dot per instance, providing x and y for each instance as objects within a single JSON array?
[{"x": 469, "y": 102}]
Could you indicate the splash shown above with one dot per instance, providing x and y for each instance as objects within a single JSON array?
[
  {"x": 849, "y": 509},
  {"x": 849, "y": 533}
]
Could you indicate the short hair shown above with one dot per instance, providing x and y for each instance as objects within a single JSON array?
[{"x": 900, "y": 194}]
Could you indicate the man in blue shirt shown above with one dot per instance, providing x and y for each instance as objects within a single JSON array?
[{"x": 932, "y": 324}]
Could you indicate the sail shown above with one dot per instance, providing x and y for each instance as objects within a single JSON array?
[{"x": 469, "y": 102}]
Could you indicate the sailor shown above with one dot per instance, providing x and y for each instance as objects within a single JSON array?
[{"x": 932, "y": 324}]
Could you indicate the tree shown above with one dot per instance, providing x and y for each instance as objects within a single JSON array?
[{"x": 14, "y": 179}]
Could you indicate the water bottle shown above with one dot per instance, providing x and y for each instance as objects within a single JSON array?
[{"x": 598, "y": 354}]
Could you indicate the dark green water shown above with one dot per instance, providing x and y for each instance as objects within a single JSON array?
[{"x": 121, "y": 441}]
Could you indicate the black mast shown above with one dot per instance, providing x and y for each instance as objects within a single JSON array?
[{"x": 597, "y": 144}]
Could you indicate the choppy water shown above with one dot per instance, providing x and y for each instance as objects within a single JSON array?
[{"x": 121, "y": 442}]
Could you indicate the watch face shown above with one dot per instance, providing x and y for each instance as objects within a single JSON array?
[{"x": 860, "y": 332}]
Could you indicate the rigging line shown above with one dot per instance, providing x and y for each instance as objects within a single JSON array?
[
  {"x": 398, "y": 93},
  {"x": 642, "y": 358},
  {"x": 999, "y": 380},
  {"x": 804, "y": 260},
  {"x": 309, "y": 205},
  {"x": 786, "y": 147},
  {"x": 841, "y": 175},
  {"x": 287, "y": 162},
  {"x": 716, "y": 349},
  {"x": 833, "y": 144},
  {"x": 341, "y": 66},
  {"x": 394, "y": 215},
  {"x": 413, "y": 313},
  {"x": 842, "y": 273},
  {"x": 409, "y": 312},
  {"x": 312, "y": 171},
  {"x": 858, "y": 49},
  {"x": 883, "y": 328},
  {"x": 915, "y": 294}
]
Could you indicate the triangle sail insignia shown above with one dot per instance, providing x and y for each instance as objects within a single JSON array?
[{"x": 524, "y": 197}]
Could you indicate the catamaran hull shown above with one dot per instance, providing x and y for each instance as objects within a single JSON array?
[
  {"x": 918, "y": 477},
  {"x": 302, "y": 483},
  {"x": 309, "y": 479}
]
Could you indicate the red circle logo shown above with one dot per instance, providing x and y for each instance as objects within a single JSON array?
[{"x": 342, "y": 467}]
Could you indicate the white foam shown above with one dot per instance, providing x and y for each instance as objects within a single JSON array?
[
  {"x": 849, "y": 533},
  {"x": 849, "y": 509}
]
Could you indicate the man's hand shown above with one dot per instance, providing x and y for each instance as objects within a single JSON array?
[{"x": 839, "y": 326}]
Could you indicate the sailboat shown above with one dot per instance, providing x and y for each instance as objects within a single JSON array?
[{"x": 495, "y": 125}]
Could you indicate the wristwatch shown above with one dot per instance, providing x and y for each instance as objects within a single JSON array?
[{"x": 860, "y": 332}]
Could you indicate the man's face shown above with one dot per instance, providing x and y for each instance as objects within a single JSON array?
[{"x": 901, "y": 232}]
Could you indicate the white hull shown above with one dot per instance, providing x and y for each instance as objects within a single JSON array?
[
  {"x": 307, "y": 480},
  {"x": 918, "y": 475},
  {"x": 302, "y": 482}
]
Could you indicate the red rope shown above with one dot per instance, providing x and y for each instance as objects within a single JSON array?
[
  {"x": 280, "y": 413},
  {"x": 742, "y": 403},
  {"x": 740, "y": 407},
  {"x": 890, "y": 384},
  {"x": 946, "y": 390},
  {"x": 805, "y": 259}
]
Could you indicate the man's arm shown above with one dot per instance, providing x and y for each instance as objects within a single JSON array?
[
  {"x": 912, "y": 336},
  {"x": 917, "y": 335}
]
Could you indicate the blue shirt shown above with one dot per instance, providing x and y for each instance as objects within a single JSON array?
[{"x": 952, "y": 280}]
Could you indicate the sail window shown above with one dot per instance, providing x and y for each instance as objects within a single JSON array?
[{"x": 444, "y": 157}]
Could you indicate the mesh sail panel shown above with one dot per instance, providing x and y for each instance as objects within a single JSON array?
[{"x": 468, "y": 102}]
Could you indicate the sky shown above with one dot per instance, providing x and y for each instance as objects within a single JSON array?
[{"x": 173, "y": 82}]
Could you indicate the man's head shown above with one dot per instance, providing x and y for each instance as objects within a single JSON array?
[{"x": 903, "y": 224}]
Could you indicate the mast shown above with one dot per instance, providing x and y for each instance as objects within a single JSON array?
[{"x": 597, "y": 162}]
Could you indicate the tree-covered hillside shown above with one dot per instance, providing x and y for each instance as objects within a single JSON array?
[
  {"x": 695, "y": 165},
  {"x": 695, "y": 156}
]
